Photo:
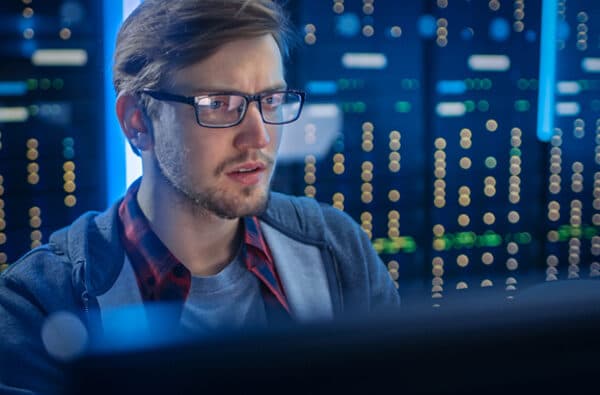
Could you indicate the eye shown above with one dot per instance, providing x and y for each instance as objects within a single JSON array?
[{"x": 274, "y": 100}]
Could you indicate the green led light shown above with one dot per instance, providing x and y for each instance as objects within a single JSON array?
[
  {"x": 483, "y": 105},
  {"x": 32, "y": 84},
  {"x": 522, "y": 84},
  {"x": 490, "y": 162},
  {"x": 395, "y": 245},
  {"x": 590, "y": 231},
  {"x": 486, "y": 84},
  {"x": 58, "y": 83},
  {"x": 359, "y": 106},
  {"x": 469, "y": 105},
  {"x": 515, "y": 151},
  {"x": 403, "y": 106},
  {"x": 45, "y": 83},
  {"x": 522, "y": 105},
  {"x": 490, "y": 239},
  {"x": 469, "y": 83},
  {"x": 533, "y": 84},
  {"x": 522, "y": 238},
  {"x": 465, "y": 239}
]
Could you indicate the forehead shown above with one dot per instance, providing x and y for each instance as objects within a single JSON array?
[{"x": 247, "y": 65}]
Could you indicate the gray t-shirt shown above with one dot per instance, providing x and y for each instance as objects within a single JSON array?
[{"x": 230, "y": 299}]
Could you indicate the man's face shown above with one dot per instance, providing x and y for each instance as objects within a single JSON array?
[{"x": 226, "y": 171}]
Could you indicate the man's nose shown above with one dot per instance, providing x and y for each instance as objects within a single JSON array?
[{"x": 253, "y": 130}]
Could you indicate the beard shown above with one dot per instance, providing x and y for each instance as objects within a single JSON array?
[{"x": 248, "y": 201}]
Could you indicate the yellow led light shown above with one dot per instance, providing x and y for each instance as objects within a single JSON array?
[
  {"x": 464, "y": 200},
  {"x": 310, "y": 178},
  {"x": 465, "y": 162},
  {"x": 366, "y": 187},
  {"x": 307, "y": 159},
  {"x": 33, "y": 167},
  {"x": 69, "y": 166},
  {"x": 461, "y": 285},
  {"x": 310, "y": 191},
  {"x": 395, "y": 135},
  {"x": 552, "y": 236},
  {"x": 464, "y": 190},
  {"x": 338, "y": 7},
  {"x": 393, "y": 265},
  {"x": 34, "y": 211},
  {"x": 463, "y": 220},
  {"x": 438, "y": 230},
  {"x": 33, "y": 178},
  {"x": 486, "y": 283},
  {"x": 367, "y": 226},
  {"x": 439, "y": 202},
  {"x": 32, "y": 154},
  {"x": 394, "y": 145},
  {"x": 35, "y": 222},
  {"x": 366, "y": 216},
  {"x": 513, "y": 217},
  {"x": 489, "y": 190},
  {"x": 339, "y": 168},
  {"x": 394, "y": 156},
  {"x": 439, "y": 184},
  {"x": 466, "y": 133},
  {"x": 466, "y": 144},
  {"x": 394, "y": 166},
  {"x": 366, "y": 176},
  {"x": 338, "y": 197},
  {"x": 491, "y": 125},
  {"x": 394, "y": 232},
  {"x": 487, "y": 258},
  {"x": 367, "y": 165},
  {"x": 393, "y": 223},
  {"x": 440, "y": 172},
  {"x": 489, "y": 218},
  {"x": 516, "y": 132},
  {"x": 367, "y": 146},
  {"x": 368, "y": 127},
  {"x": 462, "y": 260},
  {"x": 518, "y": 26},
  {"x": 366, "y": 197},
  {"x": 2, "y": 238},
  {"x": 394, "y": 195},
  {"x": 440, "y": 143}
]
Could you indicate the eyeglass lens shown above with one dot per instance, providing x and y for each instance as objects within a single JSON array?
[{"x": 279, "y": 107}]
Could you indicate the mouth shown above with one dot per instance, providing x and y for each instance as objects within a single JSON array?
[{"x": 249, "y": 173}]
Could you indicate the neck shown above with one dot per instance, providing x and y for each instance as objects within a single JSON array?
[{"x": 201, "y": 241}]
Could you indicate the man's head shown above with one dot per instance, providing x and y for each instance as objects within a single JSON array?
[{"x": 169, "y": 50}]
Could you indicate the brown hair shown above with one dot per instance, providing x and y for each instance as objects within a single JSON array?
[{"x": 163, "y": 36}]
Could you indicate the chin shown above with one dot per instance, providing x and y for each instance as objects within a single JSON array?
[{"x": 248, "y": 202}]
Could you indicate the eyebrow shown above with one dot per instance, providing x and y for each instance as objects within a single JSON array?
[{"x": 196, "y": 91}]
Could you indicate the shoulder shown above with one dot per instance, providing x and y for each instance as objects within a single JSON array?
[
  {"x": 308, "y": 217},
  {"x": 43, "y": 274}
]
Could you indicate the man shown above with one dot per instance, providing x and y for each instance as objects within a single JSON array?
[{"x": 202, "y": 98}]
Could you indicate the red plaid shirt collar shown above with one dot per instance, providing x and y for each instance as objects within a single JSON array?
[{"x": 160, "y": 275}]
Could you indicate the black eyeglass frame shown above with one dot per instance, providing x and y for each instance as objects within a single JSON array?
[{"x": 191, "y": 100}]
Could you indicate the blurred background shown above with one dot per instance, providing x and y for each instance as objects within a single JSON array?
[{"x": 462, "y": 135}]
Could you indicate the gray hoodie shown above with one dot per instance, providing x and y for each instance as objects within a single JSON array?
[{"x": 327, "y": 266}]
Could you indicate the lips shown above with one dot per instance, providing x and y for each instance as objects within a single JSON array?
[{"x": 249, "y": 173}]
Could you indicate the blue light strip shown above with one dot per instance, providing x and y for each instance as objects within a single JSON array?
[
  {"x": 13, "y": 88},
  {"x": 545, "y": 124},
  {"x": 114, "y": 142}
]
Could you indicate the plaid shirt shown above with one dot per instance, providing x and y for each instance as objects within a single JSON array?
[{"x": 160, "y": 275}]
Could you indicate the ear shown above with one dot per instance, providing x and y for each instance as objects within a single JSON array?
[{"x": 134, "y": 123}]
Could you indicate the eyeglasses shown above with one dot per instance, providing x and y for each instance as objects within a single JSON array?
[{"x": 224, "y": 110}]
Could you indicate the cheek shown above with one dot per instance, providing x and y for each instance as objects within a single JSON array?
[{"x": 275, "y": 135}]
